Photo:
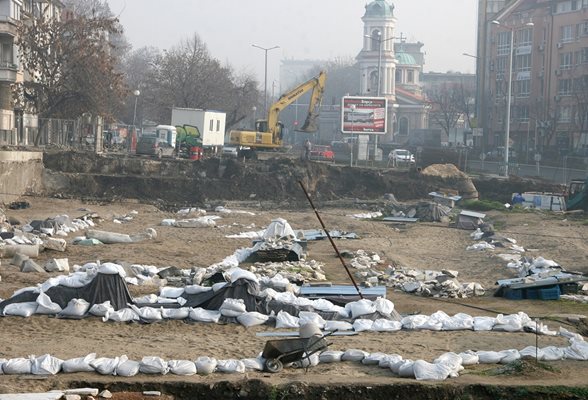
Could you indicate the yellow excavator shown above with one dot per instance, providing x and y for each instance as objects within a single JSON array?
[{"x": 268, "y": 132}]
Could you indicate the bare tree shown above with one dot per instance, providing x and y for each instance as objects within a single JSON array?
[
  {"x": 447, "y": 105},
  {"x": 72, "y": 66}
]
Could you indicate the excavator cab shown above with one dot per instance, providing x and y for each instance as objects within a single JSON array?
[{"x": 577, "y": 198}]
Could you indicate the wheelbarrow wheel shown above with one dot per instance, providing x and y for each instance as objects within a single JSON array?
[{"x": 273, "y": 365}]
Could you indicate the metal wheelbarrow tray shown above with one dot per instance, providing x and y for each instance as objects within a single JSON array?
[{"x": 280, "y": 352}]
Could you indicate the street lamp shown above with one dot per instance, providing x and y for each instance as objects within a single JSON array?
[
  {"x": 136, "y": 93},
  {"x": 509, "y": 93},
  {"x": 380, "y": 41},
  {"x": 265, "y": 74}
]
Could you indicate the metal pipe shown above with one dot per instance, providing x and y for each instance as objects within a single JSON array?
[{"x": 330, "y": 239}]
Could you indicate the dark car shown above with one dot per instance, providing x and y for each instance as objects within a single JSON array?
[{"x": 154, "y": 146}]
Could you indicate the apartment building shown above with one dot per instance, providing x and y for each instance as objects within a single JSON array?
[
  {"x": 13, "y": 122},
  {"x": 549, "y": 79}
]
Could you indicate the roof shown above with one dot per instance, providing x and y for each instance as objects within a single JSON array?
[
  {"x": 405, "y": 59},
  {"x": 379, "y": 8}
]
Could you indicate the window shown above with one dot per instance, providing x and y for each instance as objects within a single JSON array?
[
  {"x": 565, "y": 6},
  {"x": 566, "y": 60},
  {"x": 403, "y": 126},
  {"x": 523, "y": 63},
  {"x": 564, "y": 87},
  {"x": 503, "y": 46},
  {"x": 566, "y": 33},
  {"x": 584, "y": 56},
  {"x": 525, "y": 37},
  {"x": 565, "y": 114},
  {"x": 410, "y": 78},
  {"x": 6, "y": 53},
  {"x": 583, "y": 29},
  {"x": 523, "y": 88},
  {"x": 523, "y": 113},
  {"x": 375, "y": 40},
  {"x": 211, "y": 128},
  {"x": 218, "y": 125},
  {"x": 398, "y": 75}
]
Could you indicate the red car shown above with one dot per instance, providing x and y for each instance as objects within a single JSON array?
[{"x": 321, "y": 153}]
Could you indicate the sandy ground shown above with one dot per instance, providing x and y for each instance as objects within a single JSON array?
[{"x": 424, "y": 246}]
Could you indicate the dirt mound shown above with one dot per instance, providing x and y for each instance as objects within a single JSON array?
[{"x": 444, "y": 171}]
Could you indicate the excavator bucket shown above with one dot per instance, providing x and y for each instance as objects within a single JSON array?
[{"x": 310, "y": 123}]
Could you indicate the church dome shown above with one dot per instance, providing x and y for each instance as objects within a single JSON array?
[
  {"x": 379, "y": 9},
  {"x": 405, "y": 59}
]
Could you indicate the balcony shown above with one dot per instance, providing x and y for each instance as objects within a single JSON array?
[
  {"x": 8, "y": 72},
  {"x": 7, "y": 26}
]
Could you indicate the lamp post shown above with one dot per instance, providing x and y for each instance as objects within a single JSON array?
[
  {"x": 136, "y": 93},
  {"x": 265, "y": 74},
  {"x": 509, "y": 93}
]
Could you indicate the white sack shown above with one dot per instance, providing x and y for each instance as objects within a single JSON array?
[
  {"x": 354, "y": 355},
  {"x": 233, "y": 307},
  {"x": 239, "y": 273},
  {"x": 489, "y": 357},
  {"x": 21, "y": 309},
  {"x": 414, "y": 321},
  {"x": 309, "y": 317},
  {"x": 469, "y": 358},
  {"x": 308, "y": 361},
  {"x": 330, "y": 356},
  {"x": 285, "y": 320},
  {"x": 386, "y": 325},
  {"x": 338, "y": 326},
  {"x": 17, "y": 366},
  {"x": 182, "y": 367},
  {"x": 360, "y": 307},
  {"x": 578, "y": 350},
  {"x": 373, "y": 358},
  {"x": 106, "y": 366},
  {"x": 46, "y": 306},
  {"x": 509, "y": 356},
  {"x": 202, "y": 315},
  {"x": 424, "y": 371},
  {"x": 452, "y": 361},
  {"x": 230, "y": 366},
  {"x": 388, "y": 360},
  {"x": 205, "y": 365},
  {"x": 46, "y": 365},
  {"x": 80, "y": 364},
  {"x": 171, "y": 292},
  {"x": 128, "y": 368},
  {"x": 458, "y": 322},
  {"x": 384, "y": 306},
  {"x": 254, "y": 364},
  {"x": 252, "y": 318},
  {"x": 552, "y": 353},
  {"x": 2, "y": 362},
  {"x": 100, "y": 310},
  {"x": 218, "y": 286},
  {"x": 147, "y": 313},
  {"x": 153, "y": 365},
  {"x": 484, "y": 323},
  {"x": 175, "y": 313},
  {"x": 112, "y": 269},
  {"x": 75, "y": 308},
  {"x": 196, "y": 289},
  {"x": 122, "y": 315},
  {"x": 360, "y": 325},
  {"x": 531, "y": 352},
  {"x": 406, "y": 369}
]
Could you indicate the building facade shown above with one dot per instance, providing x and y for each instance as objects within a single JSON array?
[{"x": 548, "y": 78}]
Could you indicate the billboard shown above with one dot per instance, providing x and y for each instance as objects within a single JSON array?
[{"x": 364, "y": 115}]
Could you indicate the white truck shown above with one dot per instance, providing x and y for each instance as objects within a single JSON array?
[{"x": 211, "y": 124}]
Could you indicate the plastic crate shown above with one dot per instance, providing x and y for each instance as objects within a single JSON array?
[
  {"x": 532, "y": 294},
  {"x": 568, "y": 288},
  {"x": 549, "y": 293},
  {"x": 513, "y": 294}
]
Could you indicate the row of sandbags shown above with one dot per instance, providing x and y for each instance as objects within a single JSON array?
[{"x": 446, "y": 366}]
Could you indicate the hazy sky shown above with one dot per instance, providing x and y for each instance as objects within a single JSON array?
[{"x": 304, "y": 29}]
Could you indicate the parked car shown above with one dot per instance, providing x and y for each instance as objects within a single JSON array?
[
  {"x": 322, "y": 153},
  {"x": 154, "y": 146},
  {"x": 401, "y": 157}
]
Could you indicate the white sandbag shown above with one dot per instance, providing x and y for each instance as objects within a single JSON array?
[
  {"x": 21, "y": 309},
  {"x": 253, "y": 364},
  {"x": 285, "y": 320},
  {"x": 252, "y": 318},
  {"x": 330, "y": 356},
  {"x": 232, "y": 307},
  {"x": 570, "y": 335},
  {"x": 412, "y": 322},
  {"x": 309, "y": 317},
  {"x": 218, "y": 286},
  {"x": 489, "y": 357},
  {"x": 323, "y": 305},
  {"x": 171, "y": 292},
  {"x": 46, "y": 306},
  {"x": 112, "y": 269},
  {"x": 75, "y": 308},
  {"x": 146, "y": 299},
  {"x": 153, "y": 365},
  {"x": 451, "y": 360},
  {"x": 469, "y": 358},
  {"x": 230, "y": 366},
  {"x": 202, "y": 315},
  {"x": 511, "y": 323},
  {"x": 239, "y": 273},
  {"x": 552, "y": 353},
  {"x": 338, "y": 326},
  {"x": 406, "y": 369},
  {"x": 108, "y": 237},
  {"x": 182, "y": 367},
  {"x": 531, "y": 352},
  {"x": 122, "y": 315},
  {"x": 354, "y": 355},
  {"x": 361, "y": 307},
  {"x": 458, "y": 322},
  {"x": 386, "y": 325},
  {"x": 434, "y": 322},
  {"x": 384, "y": 306},
  {"x": 509, "y": 356},
  {"x": 175, "y": 313},
  {"x": 147, "y": 313},
  {"x": 105, "y": 366},
  {"x": 360, "y": 325},
  {"x": 578, "y": 350},
  {"x": 100, "y": 310},
  {"x": 205, "y": 365},
  {"x": 279, "y": 228},
  {"x": 46, "y": 365},
  {"x": 396, "y": 364},
  {"x": 424, "y": 371},
  {"x": 128, "y": 368},
  {"x": 2, "y": 362},
  {"x": 484, "y": 323},
  {"x": 17, "y": 366},
  {"x": 307, "y": 361},
  {"x": 80, "y": 364},
  {"x": 373, "y": 358},
  {"x": 200, "y": 222},
  {"x": 196, "y": 289},
  {"x": 388, "y": 360}
]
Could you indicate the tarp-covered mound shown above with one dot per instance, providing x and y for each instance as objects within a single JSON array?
[{"x": 465, "y": 185}]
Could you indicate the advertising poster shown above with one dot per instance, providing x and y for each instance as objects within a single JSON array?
[{"x": 363, "y": 115}]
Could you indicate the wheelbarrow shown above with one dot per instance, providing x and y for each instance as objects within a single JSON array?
[{"x": 280, "y": 352}]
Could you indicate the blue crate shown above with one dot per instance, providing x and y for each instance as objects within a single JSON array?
[
  {"x": 549, "y": 293},
  {"x": 532, "y": 293},
  {"x": 513, "y": 294}
]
